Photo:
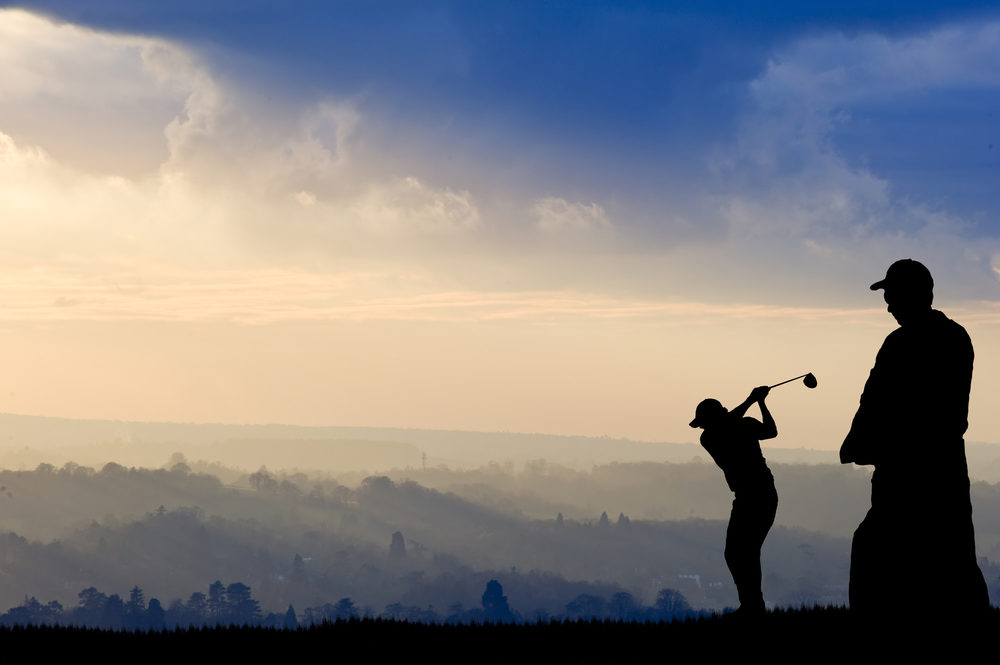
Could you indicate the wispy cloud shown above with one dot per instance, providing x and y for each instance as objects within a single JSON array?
[
  {"x": 558, "y": 216},
  {"x": 162, "y": 293}
]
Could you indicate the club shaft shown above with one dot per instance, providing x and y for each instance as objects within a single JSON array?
[{"x": 789, "y": 380}]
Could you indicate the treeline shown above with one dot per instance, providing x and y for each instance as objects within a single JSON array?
[
  {"x": 222, "y": 605},
  {"x": 78, "y": 527},
  {"x": 829, "y": 499},
  {"x": 826, "y": 498},
  {"x": 234, "y": 605}
]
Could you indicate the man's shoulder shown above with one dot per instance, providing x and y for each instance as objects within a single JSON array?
[
  {"x": 950, "y": 328},
  {"x": 938, "y": 324},
  {"x": 893, "y": 344},
  {"x": 945, "y": 320}
]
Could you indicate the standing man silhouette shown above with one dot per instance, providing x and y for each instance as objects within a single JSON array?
[
  {"x": 733, "y": 441},
  {"x": 915, "y": 551}
]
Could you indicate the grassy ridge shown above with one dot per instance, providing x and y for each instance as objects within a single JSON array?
[{"x": 818, "y": 634}]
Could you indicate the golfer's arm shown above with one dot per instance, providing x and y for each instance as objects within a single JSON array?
[
  {"x": 770, "y": 429},
  {"x": 741, "y": 410}
]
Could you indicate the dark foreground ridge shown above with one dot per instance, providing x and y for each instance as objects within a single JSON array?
[{"x": 822, "y": 634}]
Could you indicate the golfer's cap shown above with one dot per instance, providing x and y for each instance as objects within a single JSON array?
[
  {"x": 906, "y": 274},
  {"x": 704, "y": 411}
]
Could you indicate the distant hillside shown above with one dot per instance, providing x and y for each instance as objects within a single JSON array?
[
  {"x": 174, "y": 531},
  {"x": 25, "y": 441}
]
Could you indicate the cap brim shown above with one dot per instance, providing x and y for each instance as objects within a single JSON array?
[
  {"x": 694, "y": 423},
  {"x": 878, "y": 285}
]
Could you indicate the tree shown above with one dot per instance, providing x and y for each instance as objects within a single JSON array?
[
  {"x": 586, "y": 606},
  {"x": 91, "y": 607},
  {"x": 135, "y": 609},
  {"x": 495, "y": 607},
  {"x": 622, "y": 606},
  {"x": 113, "y": 613},
  {"x": 177, "y": 615},
  {"x": 196, "y": 608},
  {"x": 262, "y": 481},
  {"x": 671, "y": 604},
  {"x": 243, "y": 609},
  {"x": 291, "y": 621},
  {"x": 155, "y": 616},
  {"x": 178, "y": 464},
  {"x": 216, "y": 603},
  {"x": 18, "y": 616},
  {"x": 345, "y": 609},
  {"x": 52, "y": 612},
  {"x": 33, "y": 613}
]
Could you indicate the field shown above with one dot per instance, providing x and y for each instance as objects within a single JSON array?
[{"x": 818, "y": 634}]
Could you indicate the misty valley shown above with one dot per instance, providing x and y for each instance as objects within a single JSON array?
[{"x": 198, "y": 541}]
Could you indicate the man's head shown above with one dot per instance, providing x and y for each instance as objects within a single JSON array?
[
  {"x": 708, "y": 413},
  {"x": 909, "y": 289}
]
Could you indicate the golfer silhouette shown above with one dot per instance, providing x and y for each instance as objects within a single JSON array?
[
  {"x": 915, "y": 551},
  {"x": 733, "y": 441}
]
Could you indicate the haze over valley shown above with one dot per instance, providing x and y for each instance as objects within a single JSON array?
[{"x": 307, "y": 516}]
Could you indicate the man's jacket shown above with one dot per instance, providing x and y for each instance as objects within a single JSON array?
[{"x": 914, "y": 409}]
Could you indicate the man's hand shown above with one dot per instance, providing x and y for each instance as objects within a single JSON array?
[{"x": 756, "y": 395}]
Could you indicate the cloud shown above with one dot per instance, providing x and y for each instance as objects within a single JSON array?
[
  {"x": 558, "y": 216},
  {"x": 244, "y": 175},
  {"x": 93, "y": 98},
  {"x": 826, "y": 71},
  {"x": 241, "y": 175},
  {"x": 167, "y": 293},
  {"x": 41, "y": 58},
  {"x": 305, "y": 198},
  {"x": 812, "y": 90},
  {"x": 409, "y": 206},
  {"x": 796, "y": 185}
]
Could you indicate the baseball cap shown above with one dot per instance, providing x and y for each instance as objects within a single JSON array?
[
  {"x": 906, "y": 274},
  {"x": 704, "y": 411}
]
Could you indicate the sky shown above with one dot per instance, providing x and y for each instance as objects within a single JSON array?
[{"x": 560, "y": 217}]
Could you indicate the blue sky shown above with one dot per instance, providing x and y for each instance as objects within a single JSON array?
[{"x": 556, "y": 163}]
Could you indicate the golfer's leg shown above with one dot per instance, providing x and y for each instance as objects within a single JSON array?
[
  {"x": 743, "y": 558},
  {"x": 764, "y": 512}
]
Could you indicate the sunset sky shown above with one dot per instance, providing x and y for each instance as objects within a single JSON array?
[{"x": 561, "y": 217}]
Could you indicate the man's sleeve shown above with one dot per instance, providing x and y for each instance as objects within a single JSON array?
[
  {"x": 949, "y": 396},
  {"x": 862, "y": 441}
]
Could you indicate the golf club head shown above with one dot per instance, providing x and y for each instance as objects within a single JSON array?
[{"x": 810, "y": 380}]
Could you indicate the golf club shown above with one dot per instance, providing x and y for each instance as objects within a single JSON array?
[{"x": 808, "y": 379}]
